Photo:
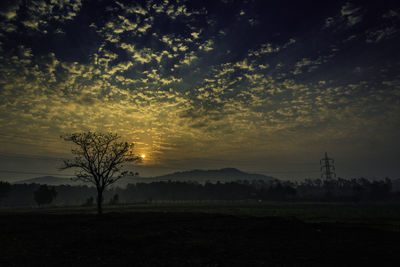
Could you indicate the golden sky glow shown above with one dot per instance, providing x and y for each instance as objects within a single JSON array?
[{"x": 203, "y": 92}]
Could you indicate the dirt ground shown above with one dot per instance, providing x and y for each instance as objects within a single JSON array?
[{"x": 189, "y": 239}]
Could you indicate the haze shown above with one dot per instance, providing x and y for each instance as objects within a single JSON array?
[{"x": 266, "y": 87}]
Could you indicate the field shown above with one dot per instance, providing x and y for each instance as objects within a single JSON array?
[{"x": 203, "y": 234}]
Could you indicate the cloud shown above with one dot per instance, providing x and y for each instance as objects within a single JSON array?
[
  {"x": 39, "y": 13},
  {"x": 133, "y": 9},
  {"x": 390, "y": 14},
  {"x": 349, "y": 9},
  {"x": 264, "y": 49},
  {"x": 349, "y": 16},
  {"x": 10, "y": 11},
  {"x": 160, "y": 75},
  {"x": 351, "y": 13},
  {"x": 329, "y": 22},
  {"x": 304, "y": 63},
  {"x": 207, "y": 46},
  {"x": 375, "y": 36}
]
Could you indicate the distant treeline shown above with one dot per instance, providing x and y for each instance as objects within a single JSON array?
[{"x": 354, "y": 190}]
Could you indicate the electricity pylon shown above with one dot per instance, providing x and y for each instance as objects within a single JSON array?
[{"x": 327, "y": 167}]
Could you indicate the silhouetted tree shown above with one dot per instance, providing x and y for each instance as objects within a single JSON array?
[
  {"x": 114, "y": 200},
  {"x": 99, "y": 159},
  {"x": 345, "y": 190},
  {"x": 4, "y": 189},
  {"x": 380, "y": 189},
  {"x": 44, "y": 195},
  {"x": 89, "y": 202}
]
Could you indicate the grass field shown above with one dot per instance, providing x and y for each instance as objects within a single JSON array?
[{"x": 203, "y": 234}]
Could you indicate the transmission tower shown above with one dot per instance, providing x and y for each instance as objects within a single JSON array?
[{"x": 327, "y": 167}]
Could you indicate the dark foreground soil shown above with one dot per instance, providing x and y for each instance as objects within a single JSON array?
[{"x": 189, "y": 239}]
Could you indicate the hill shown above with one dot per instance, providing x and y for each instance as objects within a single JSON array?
[
  {"x": 222, "y": 175},
  {"x": 49, "y": 180},
  {"x": 200, "y": 176}
]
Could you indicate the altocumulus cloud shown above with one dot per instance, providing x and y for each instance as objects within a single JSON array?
[{"x": 184, "y": 78}]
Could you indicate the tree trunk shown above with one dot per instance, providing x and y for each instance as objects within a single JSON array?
[{"x": 99, "y": 201}]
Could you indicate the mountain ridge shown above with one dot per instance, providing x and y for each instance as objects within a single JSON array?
[{"x": 201, "y": 176}]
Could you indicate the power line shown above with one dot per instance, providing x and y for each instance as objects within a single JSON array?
[{"x": 327, "y": 167}]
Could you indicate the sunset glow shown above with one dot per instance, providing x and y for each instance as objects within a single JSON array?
[{"x": 200, "y": 84}]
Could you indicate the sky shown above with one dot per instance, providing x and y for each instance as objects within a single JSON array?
[{"x": 263, "y": 86}]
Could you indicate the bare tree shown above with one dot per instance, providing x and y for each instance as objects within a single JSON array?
[
  {"x": 44, "y": 195},
  {"x": 99, "y": 159}
]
